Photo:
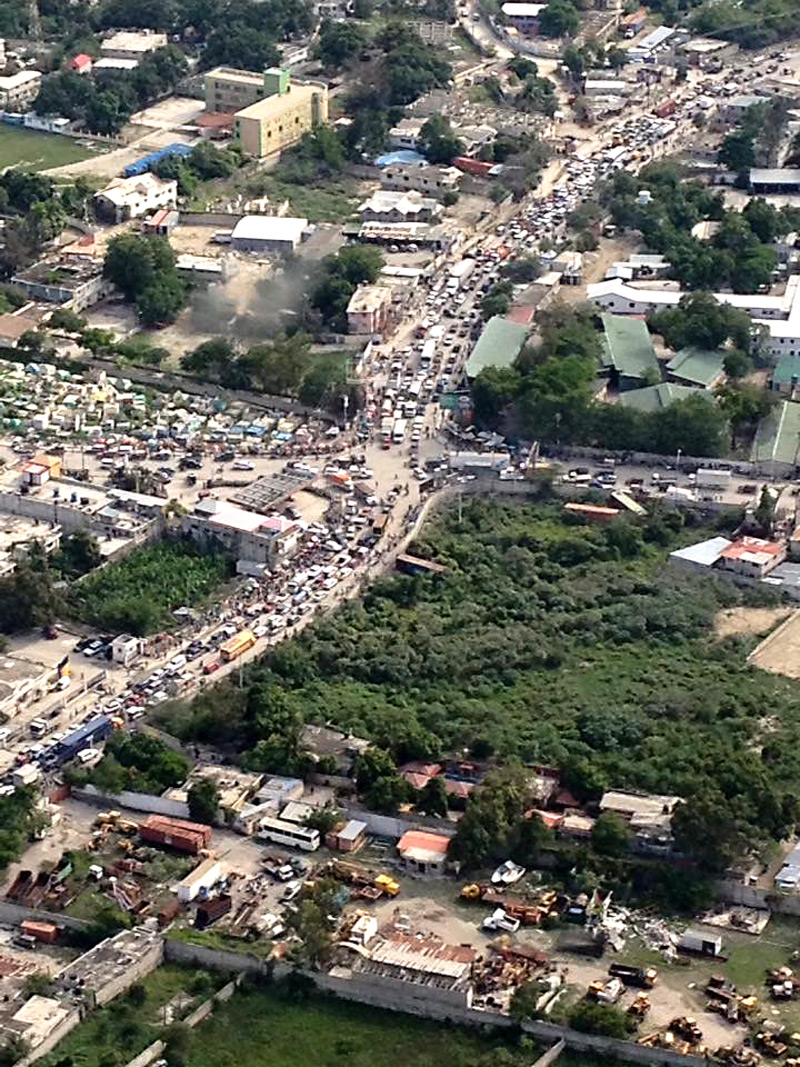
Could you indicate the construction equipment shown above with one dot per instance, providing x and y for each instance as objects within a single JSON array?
[
  {"x": 685, "y": 1026},
  {"x": 771, "y": 1043},
  {"x": 643, "y": 977},
  {"x": 605, "y": 992},
  {"x": 387, "y": 885},
  {"x": 639, "y": 1006}
]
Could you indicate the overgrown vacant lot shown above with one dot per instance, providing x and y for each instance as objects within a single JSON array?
[
  {"x": 138, "y": 593},
  {"x": 267, "y": 1028},
  {"x": 548, "y": 641}
]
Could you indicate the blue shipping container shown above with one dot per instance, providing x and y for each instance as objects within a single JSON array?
[{"x": 95, "y": 730}]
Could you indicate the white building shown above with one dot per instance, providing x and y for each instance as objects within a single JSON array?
[
  {"x": 131, "y": 198},
  {"x": 125, "y": 649},
  {"x": 18, "y": 91},
  {"x": 247, "y": 535},
  {"x": 131, "y": 45},
  {"x": 268, "y": 233},
  {"x": 779, "y": 316}
]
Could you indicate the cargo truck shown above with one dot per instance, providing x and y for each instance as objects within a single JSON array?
[
  {"x": 642, "y": 977},
  {"x": 713, "y": 479},
  {"x": 462, "y": 270},
  {"x": 233, "y": 648}
]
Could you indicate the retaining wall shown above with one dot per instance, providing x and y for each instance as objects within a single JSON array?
[{"x": 52, "y": 1039}]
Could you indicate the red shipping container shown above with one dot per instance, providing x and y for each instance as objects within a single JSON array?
[{"x": 46, "y": 932}]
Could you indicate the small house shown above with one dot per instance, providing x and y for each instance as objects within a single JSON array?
[{"x": 423, "y": 852}]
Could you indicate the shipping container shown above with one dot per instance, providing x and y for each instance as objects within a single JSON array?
[
  {"x": 45, "y": 932},
  {"x": 234, "y": 648},
  {"x": 185, "y": 836},
  {"x": 84, "y": 737},
  {"x": 211, "y": 910},
  {"x": 170, "y": 911}
]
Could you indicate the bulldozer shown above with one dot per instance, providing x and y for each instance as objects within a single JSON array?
[{"x": 639, "y": 1006}]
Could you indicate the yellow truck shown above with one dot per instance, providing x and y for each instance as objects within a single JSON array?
[{"x": 235, "y": 646}]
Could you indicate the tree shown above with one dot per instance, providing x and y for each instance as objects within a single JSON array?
[
  {"x": 737, "y": 151},
  {"x": 324, "y": 820},
  {"x": 610, "y": 835},
  {"x": 524, "y": 1001},
  {"x": 701, "y": 321},
  {"x": 432, "y": 798},
  {"x": 160, "y": 302},
  {"x": 705, "y": 828},
  {"x": 492, "y": 392},
  {"x": 203, "y": 800},
  {"x": 79, "y": 554},
  {"x": 737, "y": 364},
  {"x": 450, "y": 197},
  {"x": 437, "y": 141},
  {"x": 65, "y": 319},
  {"x": 763, "y": 219},
  {"x": 339, "y": 42},
  {"x": 559, "y": 19},
  {"x": 593, "y": 1018},
  {"x": 764, "y": 514},
  {"x": 211, "y": 359},
  {"x": 134, "y": 263}
]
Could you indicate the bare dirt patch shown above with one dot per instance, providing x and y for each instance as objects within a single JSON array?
[
  {"x": 780, "y": 651},
  {"x": 742, "y": 622}
]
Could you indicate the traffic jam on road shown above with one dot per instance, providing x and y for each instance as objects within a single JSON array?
[{"x": 396, "y": 435}]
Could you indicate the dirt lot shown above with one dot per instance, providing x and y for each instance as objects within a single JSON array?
[
  {"x": 780, "y": 651},
  {"x": 742, "y": 622},
  {"x": 170, "y": 114}
]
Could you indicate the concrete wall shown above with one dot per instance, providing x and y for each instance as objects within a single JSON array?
[
  {"x": 152, "y": 1052},
  {"x": 370, "y": 992},
  {"x": 139, "y": 969},
  {"x": 220, "y": 220},
  {"x": 13, "y": 914},
  {"x": 176, "y": 809}
]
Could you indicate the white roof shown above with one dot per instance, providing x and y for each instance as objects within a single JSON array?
[
  {"x": 122, "y": 190},
  {"x": 13, "y": 81},
  {"x": 704, "y": 553},
  {"x": 517, "y": 10},
  {"x": 110, "y": 63},
  {"x": 269, "y": 228}
]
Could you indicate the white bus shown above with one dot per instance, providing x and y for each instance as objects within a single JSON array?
[
  {"x": 289, "y": 833},
  {"x": 399, "y": 431}
]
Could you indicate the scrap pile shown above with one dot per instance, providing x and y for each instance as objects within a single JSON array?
[
  {"x": 783, "y": 983},
  {"x": 529, "y": 912},
  {"x": 497, "y": 976},
  {"x": 362, "y": 883}
]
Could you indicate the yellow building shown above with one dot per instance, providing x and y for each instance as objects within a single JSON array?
[
  {"x": 280, "y": 119},
  {"x": 229, "y": 90}
]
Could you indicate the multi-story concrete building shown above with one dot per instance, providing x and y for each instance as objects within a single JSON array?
[
  {"x": 435, "y": 181},
  {"x": 368, "y": 310},
  {"x": 280, "y": 119},
  {"x": 245, "y": 534},
  {"x": 18, "y": 91},
  {"x": 61, "y": 281},
  {"x": 229, "y": 90},
  {"x": 130, "y": 198}
]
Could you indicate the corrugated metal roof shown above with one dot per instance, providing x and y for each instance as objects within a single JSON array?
[
  {"x": 628, "y": 347},
  {"x": 498, "y": 345},
  {"x": 697, "y": 365},
  {"x": 778, "y": 435}
]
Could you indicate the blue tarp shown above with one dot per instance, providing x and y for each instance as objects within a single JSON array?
[{"x": 405, "y": 156}]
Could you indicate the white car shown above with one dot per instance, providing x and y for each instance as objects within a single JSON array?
[
  {"x": 498, "y": 920},
  {"x": 291, "y": 890}
]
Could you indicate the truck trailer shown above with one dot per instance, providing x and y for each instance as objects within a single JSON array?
[{"x": 713, "y": 479}]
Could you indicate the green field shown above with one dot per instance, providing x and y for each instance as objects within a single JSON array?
[
  {"x": 138, "y": 594},
  {"x": 39, "y": 151},
  {"x": 269, "y": 1028}
]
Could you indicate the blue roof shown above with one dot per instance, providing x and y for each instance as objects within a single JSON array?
[
  {"x": 177, "y": 148},
  {"x": 84, "y": 732},
  {"x": 403, "y": 155}
]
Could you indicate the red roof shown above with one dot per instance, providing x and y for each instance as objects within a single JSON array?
[
  {"x": 755, "y": 546},
  {"x": 522, "y": 314},
  {"x": 219, "y": 120},
  {"x": 80, "y": 61},
  {"x": 423, "y": 840}
]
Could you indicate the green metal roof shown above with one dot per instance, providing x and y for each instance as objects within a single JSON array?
[
  {"x": 786, "y": 368},
  {"x": 655, "y": 397},
  {"x": 697, "y": 365},
  {"x": 628, "y": 347},
  {"x": 498, "y": 346},
  {"x": 778, "y": 435}
]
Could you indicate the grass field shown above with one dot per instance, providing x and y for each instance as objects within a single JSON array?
[
  {"x": 267, "y": 1028},
  {"x": 38, "y": 150}
]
